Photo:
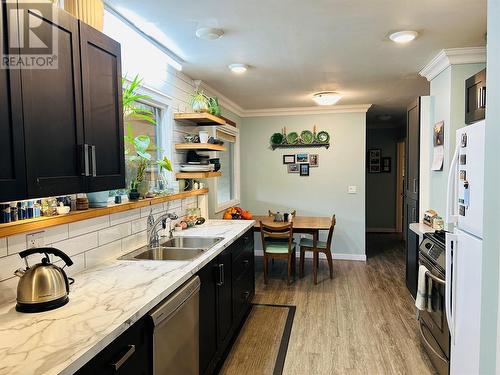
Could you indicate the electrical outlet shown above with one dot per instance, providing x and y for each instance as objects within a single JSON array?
[
  {"x": 35, "y": 240},
  {"x": 352, "y": 189}
]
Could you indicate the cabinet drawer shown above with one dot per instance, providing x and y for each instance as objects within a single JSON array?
[
  {"x": 242, "y": 243},
  {"x": 243, "y": 292},
  {"x": 242, "y": 263},
  {"x": 130, "y": 354}
]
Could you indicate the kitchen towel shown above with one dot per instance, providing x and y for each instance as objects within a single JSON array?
[{"x": 424, "y": 290}]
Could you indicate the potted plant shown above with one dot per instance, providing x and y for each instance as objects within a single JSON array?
[
  {"x": 199, "y": 101},
  {"x": 137, "y": 153}
]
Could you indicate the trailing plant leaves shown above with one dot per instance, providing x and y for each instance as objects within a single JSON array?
[
  {"x": 165, "y": 164},
  {"x": 141, "y": 143}
]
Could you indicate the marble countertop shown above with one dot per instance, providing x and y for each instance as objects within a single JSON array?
[
  {"x": 421, "y": 228},
  {"x": 104, "y": 302}
]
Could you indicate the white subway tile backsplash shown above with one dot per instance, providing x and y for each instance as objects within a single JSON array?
[
  {"x": 134, "y": 242},
  {"x": 3, "y": 247},
  {"x": 172, "y": 204},
  {"x": 78, "y": 244},
  {"x": 103, "y": 253},
  {"x": 77, "y": 266},
  {"x": 18, "y": 243},
  {"x": 139, "y": 225},
  {"x": 87, "y": 226},
  {"x": 8, "y": 265},
  {"x": 114, "y": 233},
  {"x": 157, "y": 208},
  {"x": 122, "y": 217}
]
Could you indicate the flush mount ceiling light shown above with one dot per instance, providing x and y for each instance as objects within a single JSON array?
[
  {"x": 238, "y": 68},
  {"x": 209, "y": 33},
  {"x": 403, "y": 37},
  {"x": 327, "y": 97}
]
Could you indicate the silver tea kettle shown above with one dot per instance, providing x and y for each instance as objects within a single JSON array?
[{"x": 43, "y": 286}]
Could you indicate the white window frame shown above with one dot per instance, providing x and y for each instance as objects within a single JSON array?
[
  {"x": 219, "y": 207},
  {"x": 166, "y": 123}
]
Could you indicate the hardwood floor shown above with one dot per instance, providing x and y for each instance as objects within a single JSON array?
[{"x": 361, "y": 322}]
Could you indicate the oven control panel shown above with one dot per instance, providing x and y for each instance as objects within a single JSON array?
[{"x": 434, "y": 252}]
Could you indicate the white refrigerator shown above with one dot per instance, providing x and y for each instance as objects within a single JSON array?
[{"x": 464, "y": 246}]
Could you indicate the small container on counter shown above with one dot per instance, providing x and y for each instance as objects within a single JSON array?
[
  {"x": 5, "y": 213},
  {"x": 30, "y": 210},
  {"x": 13, "y": 212},
  {"x": 21, "y": 211},
  {"x": 37, "y": 209}
]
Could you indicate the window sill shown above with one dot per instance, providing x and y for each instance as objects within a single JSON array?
[{"x": 225, "y": 206}]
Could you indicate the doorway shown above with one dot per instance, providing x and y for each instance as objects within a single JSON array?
[{"x": 400, "y": 181}]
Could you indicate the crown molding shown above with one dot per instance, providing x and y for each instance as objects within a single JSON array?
[
  {"x": 453, "y": 56},
  {"x": 298, "y": 111}
]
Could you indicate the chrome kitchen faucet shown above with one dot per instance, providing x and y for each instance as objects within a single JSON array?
[{"x": 153, "y": 235}]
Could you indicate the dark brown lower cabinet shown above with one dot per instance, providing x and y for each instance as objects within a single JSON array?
[
  {"x": 412, "y": 243},
  {"x": 129, "y": 354},
  {"x": 227, "y": 289}
]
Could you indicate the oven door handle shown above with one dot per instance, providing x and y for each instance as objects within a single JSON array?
[
  {"x": 435, "y": 278},
  {"x": 439, "y": 355}
]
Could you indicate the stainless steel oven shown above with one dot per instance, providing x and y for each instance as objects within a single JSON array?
[{"x": 434, "y": 332}]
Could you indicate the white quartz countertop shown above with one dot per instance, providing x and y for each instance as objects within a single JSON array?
[
  {"x": 104, "y": 302},
  {"x": 421, "y": 228}
]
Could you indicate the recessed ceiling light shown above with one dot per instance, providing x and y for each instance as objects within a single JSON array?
[
  {"x": 238, "y": 68},
  {"x": 209, "y": 33},
  {"x": 385, "y": 117},
  {"x": 327, "y": 97},
  {"x": 403, "y": 37}
]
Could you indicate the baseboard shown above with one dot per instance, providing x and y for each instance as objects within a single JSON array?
[
  {"x": 337, "y": 256},
  {"x": 381, "y": 230}
]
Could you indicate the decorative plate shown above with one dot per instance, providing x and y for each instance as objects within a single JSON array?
[
  {"x": 277, "y": 138},
  {"x": 292, "y": 138},
  {"x": 323, "y": 137},
  {"x": 307, "y": 137}
]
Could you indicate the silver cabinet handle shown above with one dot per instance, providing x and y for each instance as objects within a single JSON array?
[
  {"x": 415, "y": 188},
  {"x": 483, "y": 97},
  {"x": 221, "y": 275},
  {"x": 122, "y": 360},
  {"x": 94, "y": 169},
  {"x": 86, "y": 168},
  {"x": 479, "y": 97},
  {"x": 414, "y": 214}
]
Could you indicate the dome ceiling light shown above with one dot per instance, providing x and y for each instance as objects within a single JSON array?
[
  {"x": 327, "y": 97},
  {"x": 238, "y": 68},
  {"x": 403, "y": 37},
  {"x": 209, "y": 33}
]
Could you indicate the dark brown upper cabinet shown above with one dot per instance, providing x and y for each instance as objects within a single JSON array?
[
  {"x": 62, "y": 128},
  {"x": 12, "y": 170},
  {"x": 102, "y": 109},
  {"x": 413, "y": 150},
  {"x": 475, "y": 97}
]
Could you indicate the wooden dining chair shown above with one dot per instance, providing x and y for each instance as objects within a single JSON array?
[
  {"x": 307, "y": 244},
  {"x": 278, "y": 250}
]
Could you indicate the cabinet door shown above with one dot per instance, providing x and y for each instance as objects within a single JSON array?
[
  {"x": 475, "y": 97},
  {"x": 224, "y": 296},
  {"x": 208, "y": 315},
  {"x": 102, "y": 109},
  {"x": 12, "y": 163},
  {"x": 412, "y": 243},
  {"x": 413, "y": 150},
  {"x": 52, "y": 108}
]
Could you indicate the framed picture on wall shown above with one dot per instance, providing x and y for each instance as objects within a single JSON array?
[
  {"x": 313, "y": 160},
  {"x": 302, "y": 158},
  {"x": 374, "y": 160},
  {"x": 293, "y": 168},
  {"x": 304, "y": 169},
  {"x": 288, "y": 159},
  {"x": 386, "y": 165}
]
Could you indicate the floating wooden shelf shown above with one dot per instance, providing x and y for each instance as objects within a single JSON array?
[
  {"x": 199, "y": 146},
  {"x": 39, "y": 223},
  {"x": 199, "y": 119},
  {"x": 302, "y": 145},
  {"x": 198, "y": 174}
]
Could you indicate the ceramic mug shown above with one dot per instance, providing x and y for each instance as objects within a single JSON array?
[{"x": 203, "y": 136}]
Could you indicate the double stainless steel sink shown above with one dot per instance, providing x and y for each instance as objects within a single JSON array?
[{"x": 176, "y": 248}]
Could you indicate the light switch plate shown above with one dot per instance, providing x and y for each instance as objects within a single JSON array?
[
  {"x": 35, "y": 240},
  {"x": 352, "y": 189}
]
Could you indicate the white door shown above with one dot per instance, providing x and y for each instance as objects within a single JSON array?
[
  {"x": 466, "y": 304},
  {"x": 471, "y": 178}
]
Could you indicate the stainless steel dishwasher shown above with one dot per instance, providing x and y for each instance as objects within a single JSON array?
[{"x": 176, "y": 334}]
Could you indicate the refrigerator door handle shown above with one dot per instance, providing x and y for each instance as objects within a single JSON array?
[
  {"x": 451, "y": 240},
  {"x": 451, "y": 216}
]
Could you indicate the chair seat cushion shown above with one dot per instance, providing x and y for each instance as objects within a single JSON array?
[
  {"x": 278, "y": 248},
  {"x": 307, "y": 242}
]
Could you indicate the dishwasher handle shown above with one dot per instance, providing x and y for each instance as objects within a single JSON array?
[
  {"x": 169, "y": 307},
  {"x": 130, "y": 351}
]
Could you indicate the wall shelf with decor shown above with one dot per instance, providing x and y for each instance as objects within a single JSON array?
[
  {"x": 301, "y": 145},
  {"x": 199, "y": 119},
  {"x": 189, "y": 175},
  {"x": 199, "y": 147}
]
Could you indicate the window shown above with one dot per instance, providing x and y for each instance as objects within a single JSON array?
[{"x": 227, "y": 186}]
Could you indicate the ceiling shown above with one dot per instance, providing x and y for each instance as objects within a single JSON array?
[{"x": 296, "y": 47}]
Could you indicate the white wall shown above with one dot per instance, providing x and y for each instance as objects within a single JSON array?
[{"x": 265, "y": 183}]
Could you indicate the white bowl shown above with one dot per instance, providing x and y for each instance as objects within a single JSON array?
[{"x": 63, "y": 210}]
